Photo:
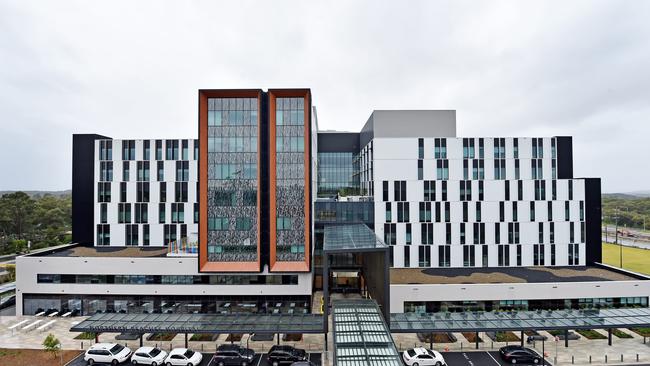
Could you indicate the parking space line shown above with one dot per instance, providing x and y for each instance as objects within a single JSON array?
[
  {"x": 493, "y": 359},
  {"x": 260, "y": 359}
]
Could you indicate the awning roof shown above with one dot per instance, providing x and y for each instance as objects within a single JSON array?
[
  {"x": 519, "y": 320},
  {"x": 361, "y": 337},
  {"x": 351, "y": 238},
  {"x": 202, "y": 323}
]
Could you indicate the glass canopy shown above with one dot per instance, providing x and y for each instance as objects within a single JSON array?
[
  {"x": 202, "y": 323},
  {"x": 355, "y": 238},
  {"x": 361, "y": 337}
]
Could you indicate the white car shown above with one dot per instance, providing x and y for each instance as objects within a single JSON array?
[
  {"x": 148, "y": 356},
  {"x": 423, "y": 357},
  {"x": 111, "y": 353},
  {"x": 183, "y": 357}
]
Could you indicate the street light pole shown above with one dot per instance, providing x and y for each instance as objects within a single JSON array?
[{"x": 616, "y": 240}]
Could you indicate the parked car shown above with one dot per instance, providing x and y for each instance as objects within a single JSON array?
[
  {"x": 232, "y": 354},
  {"x": 286, "y": 355},
  {"x": 422, "y": 357},
  {"x": 8, "y": 301},
  {"x": 519, "y": 354},
  {"x": 112, "y": 353},
  {"x": 303, "y": 363},
  {"x": 148, "y": 356},
  {"x": 183, "y": 357}
]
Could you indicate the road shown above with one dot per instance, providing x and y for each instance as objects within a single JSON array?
[
  {"x": 259, "y": 360},
  {"x": 484, "y": 358}
]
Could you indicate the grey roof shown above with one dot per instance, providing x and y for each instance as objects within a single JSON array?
[
  {"x": 351, "y": 238},
  {"x": 202, "y": 323},
  {"x": 520, "y": 320},
  {"x": 361, "y": 337}
]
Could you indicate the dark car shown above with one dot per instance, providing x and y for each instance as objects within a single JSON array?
[
  {"x": 286, "y": 355},
  {"x": 232, "y": 354},
  {"x": 518, "y": 354},
  {"x": 303, "y": 363},
  {"x": 8, "y": 301}
]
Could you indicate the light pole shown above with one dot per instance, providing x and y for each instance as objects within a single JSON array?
[{"x": 620, "y": 256}]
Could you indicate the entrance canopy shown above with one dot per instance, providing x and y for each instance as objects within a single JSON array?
[
  {"x": 361, "y": 336},
  {"x": 470, "y": 321},
  {"x": 351, "y": 238},
  {"x": 201, "y": 323}
]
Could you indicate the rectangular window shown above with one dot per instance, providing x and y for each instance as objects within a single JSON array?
[
  {"x": 196, "y": 213},
  {"x": 519, "y": 255},
  {"x": 104, "y": 191},
  {"x": 142, "y": 192},
  {"x": 551, "y": 232},
  {"x": 106, "y": 171},
  {"x": 554, "y": 190},
  {"x": 463, "y": 238},
  {"x": 145, "y": 235},
  {"x": 403, "y": 212},
  {"x": 163, "y": 192},
  {"x": 180, "y": 192},
  {"x": 425, "y": 211},
  {"x": 103, "y": 213},
  {"x": 389, "y": 212},
  {"x": 143, "y": 171},
  {"x": 420, "y": 170},
  {"x": 424, "y": 256},
  {"x": 520, "y": 190},
  {"x": 553, "y": 254},
  {"x": 504, "y": 255},
  {"x": 478, "y": 212},
  {"x": 407, "y": 256},
  {"x": 440, "y": 148},
  {"x": 514, "y": 211},
  {"x": 502, "y": 211},
  {"x": 484, "y": 256},
  {"x": 196, "y": 149},
  {"x": 567, "y": 211},
  {"x": 146, "y": 150},
  {"x": 497, "y": 233},
  {"x": 444, "y": 256},
  {"x": 429, "y": 190},
  {"x": 126, "y": 165},
  {"x": 448, "y": 233},
  {"x": 185, "y": 155},
  {"x": 141, "y": 213},
  {"x": 408, "y": 234},
  {"x": 103, "y": 234},
  {"x": 532, "y": 210},
  {"x": 540, "y": 230},
  {"x": 427, "y": 233},
  {"x": 171, "y": 149},
  {"x": 159, "y": 150},
  {"x": 182, "y": 171},
  {"x": 385, "y": 190},
  {"x": 570, "y": 190},
  {"x": 178, "y": 213},
  {"x": 128, "y": 150},
  {"x": 160, "y": 172},
  {"x": 123, "y": 213},
  {"x": 390, "y": 235},
  {"x": 480, "y": 191},
  {"x": 161, "y": 213},
  {"x": 105, "y": 150},
  {"x": 469, "y": 255},
  {"x": 131, "y": 235},
  {"x": 571, "y": 232},
  {"x": 444, "y": 191},
  {"x": 420, "y": 148}
]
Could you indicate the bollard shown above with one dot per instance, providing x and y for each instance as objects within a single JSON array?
[
  {"x": 82, "y": 345},
  {"x": 589, "y": 358},
  {"x": 572, "y": 360},
  {"x": 492, "y": 344},
  {"x": 621, "y": 357},
  {"x": 461, "y": 346},
  {"x": 637, "y": 357},
  {"x": 201, "y": 347},
  {"x": 605, "y": 358}
]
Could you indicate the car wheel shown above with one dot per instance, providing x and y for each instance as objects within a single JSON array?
[
  {"x": 220, "y": 363},
  {"x": 244, "y": 363},
  {"x": 114, "y": 362},
  {"x": 514, "y": 361},
  {"x": 154, "y": 363},
  {"x": 135, "y": 362},
  {"x": 190, "y": 364},
  {"x": 169, "y": 364},
  {"x": 438, "y": 363},
  {"x": 275, "y": 363},
  {"x": 536, "y": 361},
  {"x": 416, "y": 364},
  {"x": 91, "y": 361}
]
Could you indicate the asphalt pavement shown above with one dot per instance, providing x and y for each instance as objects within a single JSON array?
[{"x": 259, "y": 360}]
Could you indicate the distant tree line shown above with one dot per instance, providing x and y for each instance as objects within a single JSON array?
[
  {"x": 44, "y": 220},
  {"x": 630, "y": 210}
]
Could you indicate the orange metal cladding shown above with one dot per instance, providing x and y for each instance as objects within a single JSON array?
[
  {"x": 300, "y": 266},
  {"x": 204, "y": 265}
]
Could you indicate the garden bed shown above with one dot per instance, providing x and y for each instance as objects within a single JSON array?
[
  {"x": 85, "y": 335},
  {"x": 590, "y": 334},
  {"x": 643, "y": 332},
  {"x": 471, "y": 337},
  {"x": 292, "y": 337},
  {"x": 204, "y": 337},
  {"x": 235, "y": 337},
  {"x": 437, "y": 338},
  {"x": 503, "y": 336},
  {"x": 29, "y": 357},
  {"x": 621, "y": 334},
  {"x": 161, "y": 337}
]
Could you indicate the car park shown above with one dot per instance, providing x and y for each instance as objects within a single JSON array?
[
  {"x": 232, "y": 354},
  {"x": 303, "y": 363},
  {"x": 519, "y": 354},
  {"x": 110, "y": 353},
  {"x": 148, "y": 356},
  {"x": 183, "y": 357},
  {"x": 285, "y": 355},
  {"x": 422, "y": 357}
]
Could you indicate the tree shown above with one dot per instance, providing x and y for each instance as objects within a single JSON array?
[
  {"x": 52, "y": 345},
  {"x": 17, "y": 207}
]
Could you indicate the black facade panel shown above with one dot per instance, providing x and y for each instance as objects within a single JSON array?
[
  {"x": 265, "y": 236},
  {"x": 83, "y": 187},
  {"x": 593, "y": 218},
  {"x": 338, "y": 142},
  {"x": 564, "y": 157}
]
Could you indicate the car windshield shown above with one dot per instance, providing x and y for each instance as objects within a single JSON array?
[
  {"x": 188, "y": 354},
  {"x": 411, "y": 352},
  {"x": 154, "y": 352},
  {"x": 117, "y": 349},
  {"x": 430, "y": 352}
]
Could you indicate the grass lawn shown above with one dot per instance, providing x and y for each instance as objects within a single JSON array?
[
  {"x": 29, "y": 357},
  {"x": 643, "y": 332},
  {"x": 634, "y": 259},
  {"x": 620, "y": 334},
  {"x": 85, "y": 335}
]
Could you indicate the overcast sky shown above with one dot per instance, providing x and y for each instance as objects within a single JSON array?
[{"x": 131, "y": 69}]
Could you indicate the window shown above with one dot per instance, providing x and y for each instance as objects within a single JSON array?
[
  {"x": 169, "y": 233},
  {"x": 499, "y": 148},
  {"x": 103, "y": 213},
  {"x": 141, "y": 213},
  {"x": 440, "y": 148},
  {"x": 178, "y": 213},
  {"x": 554, "y": 190},
  {"x": 442, "y": 169},
  {"x": 223, "y": 223},
  {"x": 171, "y": 149},
  {"x": 468, "y": 148},
  {"x": 551, "y": 232},
  {"x": 420, "y": 148},
  {"x": 126, "y": 171},
  {"x": 444, "y": 191},
  {"x": 103, "y": 192},
  {"x": 163, "y": 192},
  {"x": 484, "y": 255},
  {"x": 142, "y": 192},
  {"x": 448, "y": 233},
  {"x": 400, "y": 190},
  {"x": 385, "y": 190},
  {"x": 390, "y": 236},
  {"x": 444, "y": 256},
  {"x": 143, "y": 171},
  {"x": 567, "y": 211},
  {"x": 538, "y": 254},
  {"x": 469, "y": 255},
  {"x": 123, "y": 213},
  {"x": 549, "y": 210},
  {"x": 407, "y": 256},
  {"x": 532, "y": 210},
  {"x": 389, "y": 212},
  {"x": 196, "y": 149},
  {"x": 146, "y": 150},
  {"x": 570, "y": 190},
  {"x": 465, "y": 212},
  {"x": 408, "y": 235},
  {"x": 427, "y": 233},
  {"x": 520, "y": 190},
  {"x": 103, "y": 234},
  {"x": 424, "y": 256},
  {"x": 480, "y": 191},
  {"x": 105, "y": 150},
  {"x": 479, "y": 233},
  {"x": 478, "y": 211},
  {"x": 131, "y": 235},
  {"x": 429, "y": 190},
  {"x": 574, "y": 255},
  {"x": 502, "y": 211},
  {"x": 447, "y": 212},
  {"x": 514, "y": 211},
  {"x": 465, "y": 169},
  {"x": 180, "y": 192},
  {"x": 159, "y": 150},
  {"x": 540, "y": 232},
  {"x": 185, "y": 150},
  {"x": 552, "y": 254},
  {"x": 182, "y": 171},
  {"x": 507, "y": 190},
  {"x": 504, "y": 255},
  {"x": 243, "y": 223},
  {"x": 462, "y": 233},
  {"x": 497, "y": 233},
  {"x": 128, "y": 150},
  {"x": 465, "y": 190},
  {"x": 571, "y": 232},
  {"x": 196, "y": 213},
  {"x": 161, "y": 213},
  {"x": 403, "y": 212},
  {"x": 425, "y": 211},
  {"x": 105, "y": 171},
  {"x": 420, "y": 170},
  {"x": 517, "y": 170}
]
